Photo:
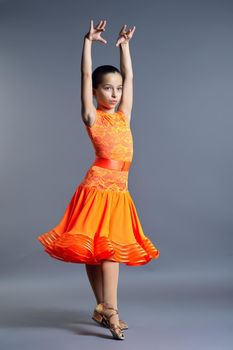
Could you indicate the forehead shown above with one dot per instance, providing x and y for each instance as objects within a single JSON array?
[{"x": 112, "y": 78}]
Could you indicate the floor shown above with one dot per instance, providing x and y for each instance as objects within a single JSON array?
[{"x": 176, "y": 310}]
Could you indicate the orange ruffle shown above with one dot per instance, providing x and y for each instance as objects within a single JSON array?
[{"x": 99, "y": 225}]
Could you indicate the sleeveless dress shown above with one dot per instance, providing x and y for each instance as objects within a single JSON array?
[{"x": 101, "y": 222}]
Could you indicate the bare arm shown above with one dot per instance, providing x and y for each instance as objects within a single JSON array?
[
  {"x": 126, "y": 103},
  {"x": 88, "y": 110}
]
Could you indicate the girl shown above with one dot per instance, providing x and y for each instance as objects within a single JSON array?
[{"x": 100, "y": 227}]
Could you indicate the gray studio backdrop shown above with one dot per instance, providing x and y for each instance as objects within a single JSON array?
[
  {"x": 180, "y": 179},
  {"x": 181, "y": 176}
]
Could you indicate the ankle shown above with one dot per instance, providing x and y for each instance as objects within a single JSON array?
[{"x": 109, "y": 304}]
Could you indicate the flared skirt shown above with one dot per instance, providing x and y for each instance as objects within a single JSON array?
[{"x": 100, "y": 223}]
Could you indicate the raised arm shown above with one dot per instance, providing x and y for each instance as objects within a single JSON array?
[
  {"x": 88, "y": 109},
  {"x": 126, "y": 103}
]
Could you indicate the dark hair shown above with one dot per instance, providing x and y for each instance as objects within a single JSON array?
[{"x": 100, "y": 71}]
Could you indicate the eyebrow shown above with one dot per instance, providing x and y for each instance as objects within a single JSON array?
[{"x": 111, "y": 84}]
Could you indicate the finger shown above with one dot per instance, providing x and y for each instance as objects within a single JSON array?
[
  {"x": 133, "y": 30},
  {"x": 91, "y": 23},
  {"x": 99, "y": 24},
  {"x": 103, "y": 25},
  {"x": 122, "y": 29},
  {"x": 118, "y": 42},
  {"x": 103, "y": 40}
]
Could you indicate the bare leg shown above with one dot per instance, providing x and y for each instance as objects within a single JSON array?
[
  {"x": 94, "y": 273},
  {"x": 103, "y": 279},
  {"x": 110, "y": 274}
]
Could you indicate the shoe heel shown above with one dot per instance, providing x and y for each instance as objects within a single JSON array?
[{"x": 97, "y": 317}]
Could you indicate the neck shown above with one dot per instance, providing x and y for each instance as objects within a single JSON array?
[{"x": 107, "y": 110}]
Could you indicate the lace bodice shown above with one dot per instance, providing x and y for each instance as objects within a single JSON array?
[{"x": 111, "y": 136}]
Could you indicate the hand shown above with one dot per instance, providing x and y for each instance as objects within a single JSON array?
[
  {"x": 94, "y": 33},
  {"x": 125, "y": 36}
]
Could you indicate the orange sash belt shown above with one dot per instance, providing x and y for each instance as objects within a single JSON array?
[{"x": 112, "y": 163}]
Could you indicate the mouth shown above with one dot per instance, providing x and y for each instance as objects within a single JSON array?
[{"x": 113, "y": 101}]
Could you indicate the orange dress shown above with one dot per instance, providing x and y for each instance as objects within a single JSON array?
[{"x": 101, "y": 222}]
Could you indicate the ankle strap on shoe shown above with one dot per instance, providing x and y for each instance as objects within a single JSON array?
[{"x": 110, "y": 307}]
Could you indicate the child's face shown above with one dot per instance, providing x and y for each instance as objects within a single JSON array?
[{"x": 109, "y": 92}]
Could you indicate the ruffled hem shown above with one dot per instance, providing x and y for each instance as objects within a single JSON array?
[
  {"x": 99, "y": 225},
  {"x": 79, "y": 248}
]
